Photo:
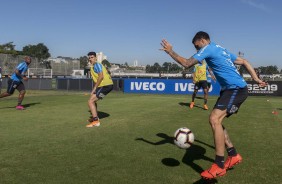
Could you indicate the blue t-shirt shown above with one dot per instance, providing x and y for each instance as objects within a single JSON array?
[
  {"x": 98, "y": 67},
  {"x": 22, "y": 68},
  {"x": 221, "y": 62}
]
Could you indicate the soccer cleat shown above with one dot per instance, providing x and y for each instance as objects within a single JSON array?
[
  {"x": 213, "y": 172},
  {"x": 192, "y": 105},
  {"x": 232, "y": 160},
  {"x": 206, "y": 107},
  {"x": 93, "y": 123},
  {"x": 90, "y": 120},
  {"x": 19, "y": 107}
]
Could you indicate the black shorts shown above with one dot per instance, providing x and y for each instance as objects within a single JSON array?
[
  {"x": 101, "y": 92},
  {"x": 201, "y": 84},
  {"x": 12, "y": 85},
  {"x": 231, "y": 100},
  {"x": 209, "y": 84}
]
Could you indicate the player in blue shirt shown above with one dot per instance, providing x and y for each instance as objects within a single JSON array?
[
  {"x": 233, "y": 93},
  {"x": 15, "y": 82}
]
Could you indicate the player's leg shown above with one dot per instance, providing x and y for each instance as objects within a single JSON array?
[
  {"x": 233, "y": 157},
  {"x": 21, "y": 89},
  {"x": 93, "y": 108},
  {"x": 239, "y": 96},
  {"x": 101, "y": 92},
  {"x": 196, "y": 88},
  {"x": 204, "y": 85},
  {"x": 10, "y": 89},
  {"x": 5, "y": 94},
  {"x": 217, "y": 169}
]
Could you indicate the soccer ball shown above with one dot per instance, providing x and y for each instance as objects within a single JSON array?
[{"x": 183, "y": 138}]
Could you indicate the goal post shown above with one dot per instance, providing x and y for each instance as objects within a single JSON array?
[{"x": 40, "y": 72}]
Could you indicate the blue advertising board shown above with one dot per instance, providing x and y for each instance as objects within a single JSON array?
[{"x": 165, "y": 86}]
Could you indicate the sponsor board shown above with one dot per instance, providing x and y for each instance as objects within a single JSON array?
[
  {"x": 186, "y": 86},
  {"x": 274, "y": 88},
  {"x": 165, "y": 86}
]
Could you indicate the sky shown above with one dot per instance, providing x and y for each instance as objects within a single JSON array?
[{"x": 129, "y": 30}]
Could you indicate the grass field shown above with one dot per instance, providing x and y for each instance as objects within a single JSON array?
[{"x": 48, "y": 142}]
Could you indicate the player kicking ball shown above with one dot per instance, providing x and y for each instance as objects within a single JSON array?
[
  {"x": 103, "y": 85},
  {"x": 233, "y": 93}
]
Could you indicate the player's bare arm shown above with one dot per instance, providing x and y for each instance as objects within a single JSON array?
[
  {"x": 20, "y": 75},
  {"x": 212, "y": 75},
  {"x": 187, "y": 63},
  {"x": 250, "y": 69}
]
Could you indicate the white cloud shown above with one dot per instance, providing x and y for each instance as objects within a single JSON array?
[{"x": 256, "y": 5}]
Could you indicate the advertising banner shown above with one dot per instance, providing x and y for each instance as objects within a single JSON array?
[
  {"x": 274, "y": 88},
  {"x": 165, "y": 86}
]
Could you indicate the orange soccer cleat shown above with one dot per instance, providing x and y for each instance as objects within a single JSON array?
[
  {"x": 232, "y": 160},
  {"x": 93, "y": 123},
  {"x": 213, "y": 172},
  {"x": 192, "y": 105},
  {"x": 206, "y": 107}
]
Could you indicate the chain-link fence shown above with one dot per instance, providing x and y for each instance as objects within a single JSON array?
[{"x": 59, "y": 66}]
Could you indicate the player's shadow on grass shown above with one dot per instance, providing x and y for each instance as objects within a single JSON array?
[
  {"x": 195, "y": 152},
  {"x": 101, "y": 114},
  {"x": 30, "y": 104},
  {"x": 188, "y": 105},
  {"x": 24, "y": 105}
]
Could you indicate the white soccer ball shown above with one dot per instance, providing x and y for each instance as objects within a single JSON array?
[{"x": 183, "y": 138}]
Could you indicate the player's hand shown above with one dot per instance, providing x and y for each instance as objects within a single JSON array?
[
  {"x": 25, "y": 78},
  {"x": 262, "y": 83},
  {"x": 167, "y": 47}
]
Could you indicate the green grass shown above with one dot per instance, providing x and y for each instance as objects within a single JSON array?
[{"x": 48, "y": 142}]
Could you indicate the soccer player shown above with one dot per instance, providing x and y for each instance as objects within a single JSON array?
[
  {"x": 200, "y": 81},
  {"x": 15, "y": 82},
  {"x": 103, "y": 85},
  {"x": 233, "y": 93}
]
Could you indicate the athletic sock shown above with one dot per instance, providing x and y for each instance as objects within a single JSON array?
[
  {"x": 205, "y": 101},
  {"x": 219, "y": 160},
  {"x": 231, "y": 151},
  {"x": 95, "y": 118}
]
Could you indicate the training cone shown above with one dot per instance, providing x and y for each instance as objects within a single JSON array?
[{"x": 274, "y": 112}]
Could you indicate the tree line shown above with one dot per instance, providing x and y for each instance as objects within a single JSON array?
[{"x": 39, "y": 51}]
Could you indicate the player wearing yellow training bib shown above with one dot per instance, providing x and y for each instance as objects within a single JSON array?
[
  {"x": 103, "y": 85},
  {"x": 200, "y": 81}
]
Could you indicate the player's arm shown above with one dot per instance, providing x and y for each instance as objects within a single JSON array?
[
  {"x": 211, "y": 73},
  {"x": 17, "y": 72},
  {"x": 99, "y": 80},
  {"x": 187, "y": 63},
  {"x": 250, "y": 69}
]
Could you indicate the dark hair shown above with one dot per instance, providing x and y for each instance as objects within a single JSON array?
[
  {"x": 91, "y": 53},
  {"x": 201, "y": 35}
]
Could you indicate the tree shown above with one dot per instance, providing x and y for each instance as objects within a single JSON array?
[
  {"x": 166, "y": 67},
  {"x": 8, "y": 48},
  {"x": 40, "y": 51},
  {"x": 269, "y": 70},
  {"x": 175, "y": 68},
  {"x": 157, "y": 68},
  {"x": 83, "y": 62},
  {"x": 106, "y": 63}
]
